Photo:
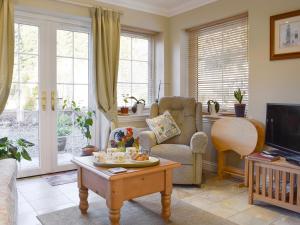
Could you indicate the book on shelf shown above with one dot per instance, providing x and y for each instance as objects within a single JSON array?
[{"x": 263, "y": 157}]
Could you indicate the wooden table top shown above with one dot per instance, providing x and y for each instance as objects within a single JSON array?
[
  {"x": 280, "y": 163},
  {"x": 87, "y": 163}
]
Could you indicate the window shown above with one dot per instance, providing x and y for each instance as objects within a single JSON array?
[
  {"x": 218, "y": 60},
  {"x": 135, "y": 68}
]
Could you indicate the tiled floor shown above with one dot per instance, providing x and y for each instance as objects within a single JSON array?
[{"x": 222, "y": 198}]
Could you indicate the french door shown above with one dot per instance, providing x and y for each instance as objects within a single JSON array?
[{"x": 52, "y": 64}]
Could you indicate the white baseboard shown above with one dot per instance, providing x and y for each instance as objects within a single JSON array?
[{"x": 209, "y": 166}]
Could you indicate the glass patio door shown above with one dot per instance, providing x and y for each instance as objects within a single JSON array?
[
  {"x": 72, "y": 79},
  {"x": 51, "y": 65}
]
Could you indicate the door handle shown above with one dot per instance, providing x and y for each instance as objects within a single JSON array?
[
  {"x": 44, "y": 100},
  {"x": 53, "y": 100}
]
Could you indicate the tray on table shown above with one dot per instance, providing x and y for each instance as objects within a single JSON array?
[{"x": 128, "y": 163}]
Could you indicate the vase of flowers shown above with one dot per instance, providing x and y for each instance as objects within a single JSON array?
[
  {"x": 138, "y": 106},
  {"x": 125, "y": 109}
]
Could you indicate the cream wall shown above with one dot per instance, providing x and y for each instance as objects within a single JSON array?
[{"x": 269, "y": 81}]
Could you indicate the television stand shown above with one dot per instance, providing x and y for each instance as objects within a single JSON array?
[{"x": 276, "y": 183}]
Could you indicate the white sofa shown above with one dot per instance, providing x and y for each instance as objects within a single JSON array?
[{"x": 8, "y": 192}]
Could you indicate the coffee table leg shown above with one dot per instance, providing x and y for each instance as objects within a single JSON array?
[
  {"x": 114, "y": 216},
  {"x": 83, "y": 195},
  {"x": 166, "y": 203}
]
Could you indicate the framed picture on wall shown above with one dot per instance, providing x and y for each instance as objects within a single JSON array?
[{"x": 285, "y": 36}]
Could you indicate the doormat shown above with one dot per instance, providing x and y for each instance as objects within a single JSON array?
[{"x": 62, "y": 178}]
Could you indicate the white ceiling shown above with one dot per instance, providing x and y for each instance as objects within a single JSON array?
[{"x": 160, "y": 7}]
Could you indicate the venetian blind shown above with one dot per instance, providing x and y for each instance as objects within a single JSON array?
[{"x": 218, "y": 60}]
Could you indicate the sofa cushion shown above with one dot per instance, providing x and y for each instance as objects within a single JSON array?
[
  {"x": 8, "y": 192},
  {"x": 164, "y": 127},
  {"x": 177, "y": 153}
]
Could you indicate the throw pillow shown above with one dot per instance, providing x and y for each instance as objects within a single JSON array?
[{"x": 164, "y": 127}]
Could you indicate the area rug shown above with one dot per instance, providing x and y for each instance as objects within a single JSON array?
[
  {"x": 63, "y": 178},
  {"x": 143, "y": 211}
]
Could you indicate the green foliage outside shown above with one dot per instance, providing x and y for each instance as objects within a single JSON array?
[{"x": 83, "y": 120}]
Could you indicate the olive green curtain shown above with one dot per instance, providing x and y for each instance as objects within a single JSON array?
[
  {"x": 106, "y": 30},
  {"x": 6, "y": 49}
]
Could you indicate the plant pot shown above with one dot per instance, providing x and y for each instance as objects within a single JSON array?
[
  {"x": 240, "y": 110},
  {"x": 124, "y": 110},
  {"x": 140, "y": 108},
  {"x": 61, "y": 143},
  {"x": 88, "y": 150},
  {"x": 134, "y": 108}
]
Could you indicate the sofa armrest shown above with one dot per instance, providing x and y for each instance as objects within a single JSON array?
[
  {"x": 147, "y": 139},
  {"x": 199, "y": 142}
]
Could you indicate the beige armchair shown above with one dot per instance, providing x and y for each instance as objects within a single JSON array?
[{"x": 186, "y": 148}]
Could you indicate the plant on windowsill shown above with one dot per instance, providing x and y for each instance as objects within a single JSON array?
[
  {"x": 125, "y": 109},
  {"x": 213, "y": 107},
  {"x": 84, "y": 121},
  {"x": 15, "y": 149},
  {"x": 64, "y": 129},
  {"x": 239, "y": 107},
  {"x": 138, "y": 106}
]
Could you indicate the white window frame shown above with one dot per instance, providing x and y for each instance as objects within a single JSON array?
[{"x": 151, "y": 53}]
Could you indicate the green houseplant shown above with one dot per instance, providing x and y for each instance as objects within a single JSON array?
[
  {"x": 64, "y": 129},
  {"x": 15, "y": 149},
  {"x": 239, "y": 107},
  {"x": 84, "y": 121},
  {"x": 138, "y": 106}
]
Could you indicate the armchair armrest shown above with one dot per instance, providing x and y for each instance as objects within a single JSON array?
[
  {"x": 147, "y": 139},
  {"x": 199, "y": 142}
]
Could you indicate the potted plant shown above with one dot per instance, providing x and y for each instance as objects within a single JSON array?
[
  {"x": 64, "y": 129},
  {"x": 125, "y": 109},
  {"x": 138, "y": 106},
  {"x": 84, "y": 121},
  {"x": 239, "y": 107},
  {"x": 15, "y": 149},
  {"x": 213, "y": 107}
]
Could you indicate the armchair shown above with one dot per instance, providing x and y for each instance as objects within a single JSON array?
[{"x": 186, "y": 148}]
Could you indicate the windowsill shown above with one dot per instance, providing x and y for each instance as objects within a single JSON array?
[
  {"x": 217, "y": 116},
  {"x": 134, "y": 117}
]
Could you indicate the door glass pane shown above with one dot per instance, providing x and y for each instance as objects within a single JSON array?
[
  {"x": 20, "y": 118},
  {"x": 72, "y": 85}
]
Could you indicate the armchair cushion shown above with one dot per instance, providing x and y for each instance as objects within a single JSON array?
[
  {"x": 164, "y": 127},
  {"x": 174, "y": 152}
]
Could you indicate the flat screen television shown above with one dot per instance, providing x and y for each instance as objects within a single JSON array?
[{"x": 283, "y": 127}]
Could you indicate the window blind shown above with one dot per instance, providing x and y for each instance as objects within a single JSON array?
[{"x": 218, "y": 61}]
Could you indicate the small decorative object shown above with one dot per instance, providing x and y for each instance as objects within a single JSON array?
[
  {"x": 100, "y": 156},
  {"x": 84, "y": 121},
  {"x": 140, "y": 157},
  {"x": 239, "y": 107},
  {"x": 15, "y": 149},
  {"x": 125, "y": 109},
  {"x": 213, "y": 107},
  {"x": 285, "y": 36},
  {"x": 138, "y": 106},
  {"x": 124, "y": 138},
  {"x": 132, "y": 151},
  {"x": 158, "y": 92},
  {"x": 118, "y": 157}
]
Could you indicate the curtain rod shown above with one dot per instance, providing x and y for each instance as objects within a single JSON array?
[{"x": 88, "y": 5}]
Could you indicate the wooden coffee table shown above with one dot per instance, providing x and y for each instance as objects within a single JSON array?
[{"x": 116, "y": 188}]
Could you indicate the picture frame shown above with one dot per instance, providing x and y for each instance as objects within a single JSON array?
[{"x": 285, "y": 36}]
